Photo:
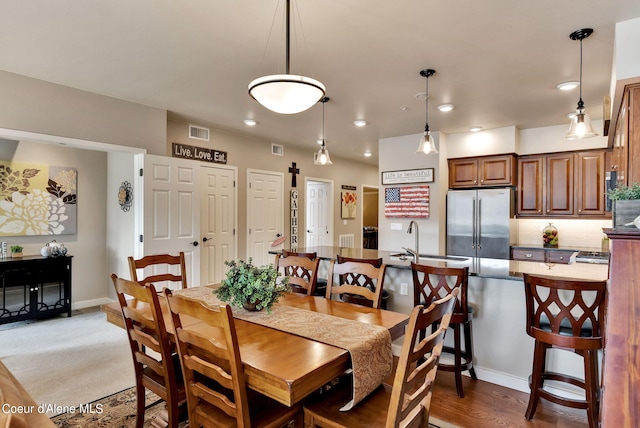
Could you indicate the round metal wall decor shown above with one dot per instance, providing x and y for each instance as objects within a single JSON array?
[{"x": 125, "y": 196}]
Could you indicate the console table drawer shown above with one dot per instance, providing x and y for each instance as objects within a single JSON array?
[{"x": 528, "y": 255}]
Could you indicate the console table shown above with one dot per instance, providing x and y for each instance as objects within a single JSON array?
[{"x": 34, "y": 287}]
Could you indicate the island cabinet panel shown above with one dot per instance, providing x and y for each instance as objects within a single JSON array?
[
  {"x": 570, "y": 184},
  {"x": 484, "y": 171}
]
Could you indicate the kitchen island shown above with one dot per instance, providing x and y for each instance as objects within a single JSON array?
[{"x": 503, "y": 352}]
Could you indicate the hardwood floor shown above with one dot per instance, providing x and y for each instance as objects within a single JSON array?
[{"x": 486, "y": 405}]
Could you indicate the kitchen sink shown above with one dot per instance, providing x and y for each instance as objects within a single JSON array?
[{"x": 429, "y": 256}]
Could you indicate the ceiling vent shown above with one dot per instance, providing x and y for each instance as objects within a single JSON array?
[
  {"x": 277, "y": 149},
  {"x": 198, "y": 133}
]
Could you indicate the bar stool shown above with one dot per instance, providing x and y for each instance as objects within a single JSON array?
[
  {"x": 430, "y": 284},
  {"x": 568, "y": 315}
]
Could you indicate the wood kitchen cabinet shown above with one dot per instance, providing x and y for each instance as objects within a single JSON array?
[
  {"x": 569, "y": 184},
  {"x": 625, "y": 156},
  {"x": 483, "y": 171}
]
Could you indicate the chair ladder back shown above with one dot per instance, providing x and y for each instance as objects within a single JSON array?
[
  {"x": 357, "y": 269},
  {"x": 213, "y": 372},
  {"x": 158, "y": 269},
  {"x": 301, "y": 270},
  {"x": 415, "y": 374},
  {"x": 568, "y": 313},
  {"x": 146, "y": 330}
]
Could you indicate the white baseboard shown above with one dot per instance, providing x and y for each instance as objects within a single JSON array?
[{"x": 91, "y": 303}]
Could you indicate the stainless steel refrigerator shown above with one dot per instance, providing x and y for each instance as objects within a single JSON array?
[{"x": 481, "y": 223}]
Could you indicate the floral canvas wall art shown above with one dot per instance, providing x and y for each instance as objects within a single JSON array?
[
  {"x": 348, "y": 205},
  {"x": 37, "y": 199}
]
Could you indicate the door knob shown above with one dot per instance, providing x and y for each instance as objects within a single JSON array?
[
  {"x": 194, "y": 243},
  {"x": 205, "y": 239},
  {"x": 308, "y": 231}
]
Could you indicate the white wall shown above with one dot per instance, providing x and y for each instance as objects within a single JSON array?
[
  {"x": 37, "y": 106},
  {"x": 627, "y": 49},
  {"x": 550, "y": 139},
  {"x": 488, "y": 142},
  {"x": 88, "y": 245},
  {"x": 399, "y": 153}
]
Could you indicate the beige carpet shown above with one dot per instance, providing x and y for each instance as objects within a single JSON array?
[{"x": 68, "y": 361}]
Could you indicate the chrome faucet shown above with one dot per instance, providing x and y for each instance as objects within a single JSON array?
[{"x": 416, "y": 251}]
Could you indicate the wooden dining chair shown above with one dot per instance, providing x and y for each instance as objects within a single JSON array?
[
  {"x": 346, "y": 286},
  {"x": 568, "y": 315},
  {"x": 432, "y": 283},
  {"x": 214, "y": 377},
  {"x": 407, "y": 402},
  {"x": 361, "y": 280},
  {"x": 159, "y": 268},
  {"x": 302, "y": 271},
  {"x": 156, "y": 370}
]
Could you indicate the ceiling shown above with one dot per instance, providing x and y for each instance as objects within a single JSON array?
[{"x": 497, "y": 61}]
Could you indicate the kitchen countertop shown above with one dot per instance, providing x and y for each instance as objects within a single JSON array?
[{"x": 480, "y": 267}]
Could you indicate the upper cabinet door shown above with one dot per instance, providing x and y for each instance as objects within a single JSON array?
[
  {"x": 590, "y": 191},
  {"x": 560, "y": 182},
  {"x": 497, "y": 171},
  {"x": 463, "y": 173},
  {"x": 531, "y": 185}
]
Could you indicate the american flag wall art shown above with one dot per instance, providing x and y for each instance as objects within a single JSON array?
[{"x": 406, "y": 202}]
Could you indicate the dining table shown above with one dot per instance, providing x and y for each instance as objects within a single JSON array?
[{"x": 284, "y": 365}]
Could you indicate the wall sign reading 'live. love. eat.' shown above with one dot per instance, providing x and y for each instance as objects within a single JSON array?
[{"x": 186, "y": 151}]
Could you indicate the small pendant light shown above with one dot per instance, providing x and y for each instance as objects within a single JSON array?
[
  {"x": 580, "y": 126},
  {"x": 427, "y": 144},
  {"x": 322, "y": 157}
]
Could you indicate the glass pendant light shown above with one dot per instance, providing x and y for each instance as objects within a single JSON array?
[
  {"x": 580, "y": 126},
  {"x": 427, "y": 143},
  {"x": 286, "y": 93},
  {"x": 322, "y": 157}
]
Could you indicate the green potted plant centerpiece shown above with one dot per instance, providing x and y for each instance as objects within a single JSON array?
[
  {"x": 251, "y": 287},
  {"x": 16, "y": 251},
  {"x": 626, "y": 206}
]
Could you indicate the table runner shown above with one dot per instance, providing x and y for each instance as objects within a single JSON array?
[{"x": 369, "y": 345}]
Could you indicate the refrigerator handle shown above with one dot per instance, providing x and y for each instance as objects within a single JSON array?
[
  {"x": 479, "y": 244},
  {"x": 474, "y": 225}
]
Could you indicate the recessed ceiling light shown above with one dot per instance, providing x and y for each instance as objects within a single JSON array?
[
  {"x": 475, "y": 128},
  {"x": 567, "y": 86},
  {"x": 367, "y": 154},
  {"x": 446, "y": 107},
  {"x": 360, "y": 123},
  {"x": 421, "y": 96},
  {"x": 250, "y": 122}
]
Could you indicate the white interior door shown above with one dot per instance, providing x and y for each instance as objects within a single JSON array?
[
  {"x": 319, "y": 227},
  {"x": 265, "y": 214},
  {"x": 172, "y": 211},
  {"x": 218, "y": 221}
]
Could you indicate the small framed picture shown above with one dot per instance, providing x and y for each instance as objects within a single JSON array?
[{"x": 348, "y": 204}]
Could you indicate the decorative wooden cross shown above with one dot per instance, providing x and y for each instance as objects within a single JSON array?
[{"x": 293, "y": 170}]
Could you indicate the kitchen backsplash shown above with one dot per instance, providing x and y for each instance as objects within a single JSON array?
[{"x": 581, "y": 234}]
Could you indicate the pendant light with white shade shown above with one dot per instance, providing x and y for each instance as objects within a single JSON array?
[
  {"x": 322, "y": 157},
  {"x": 427, "y": 143},
  {"x": 286, "y": 93},
  {"x": 580, "y": 126}
]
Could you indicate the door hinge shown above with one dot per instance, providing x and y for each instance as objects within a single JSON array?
[
  {"x": 141, "y": 239},
  {"x": 234, "y": 231},
  {"x": 234, "y": 183},
  {"x": 249, "y": 231},
  {"x": 141, "y": 172}
]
